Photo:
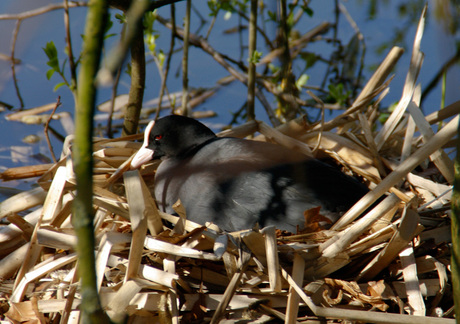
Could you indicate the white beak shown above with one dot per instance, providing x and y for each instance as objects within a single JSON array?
[{"x": 145, "y": 154}]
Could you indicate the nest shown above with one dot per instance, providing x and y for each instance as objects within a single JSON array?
[
  {"x": 391, "y": 261},
  {"x": 389, "y": 266}
]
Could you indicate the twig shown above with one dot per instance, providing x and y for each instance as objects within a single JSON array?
[
  {"x": 252, "y": 63},
  {"x": 114, "y": 92},
  {"x": 268, "y": 42},
  {"x": 40, "y": 11},
  {"x": 134, "y": 17},
  {"x": 112, "y": 102},
  {"x": 136, "y": 91},
  {"x": 185, "y": 90},
  {"x": 444, "y": 68},
  {"x": 168, "y": 62},
  {"x": 58, "y": 103},
  {"x": 13, "y": 62},
  {"x": 201, "y": 43},
  {"x": 72, "y": 65},
  {"x": 320, "y": 132}
]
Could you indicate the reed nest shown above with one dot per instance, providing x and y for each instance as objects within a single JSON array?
[{"x": 391, "y": 265}]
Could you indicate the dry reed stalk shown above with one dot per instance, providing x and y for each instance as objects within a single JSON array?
[
  {"x": 399, "y": 172},
  {"x": 341, "y": 241},
  {"x": 22, "y": 201},
  {"x": 276, "y": 136},
  {"x": 414, "y": 295},
  {"x": 409, "y": 86},
  {"x": 271, "y": 253},
  {"x": 292, "y": 309},
  {"x": 25, "y": 172},
  {"x": 17, "y": 116},
  {"x": 408, "y": 228}
]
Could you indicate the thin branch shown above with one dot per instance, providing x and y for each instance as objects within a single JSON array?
[
  {"x": 112, "y": 102},
  {"x": 201, "y": 43},
  {"x": 58, "y": 103},
  {"x": 136, "y": 90},
  {"x": 185, "y": 90},
  {"x": 262, "y": 33},
  {"x": 41, "y": 11},
  {"x": 82, "y": 157},
  {"x": 444, "y": 68},
  {"x": 13, "y": 64},
  {"x": 134, "y": 16},
  {"x": 252, "y": 63},
  {"x": 68, "y": 39},
  {"x": 168, "y": 61}
]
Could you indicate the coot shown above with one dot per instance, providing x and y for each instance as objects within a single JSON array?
[{"x": 236, "y": 183}]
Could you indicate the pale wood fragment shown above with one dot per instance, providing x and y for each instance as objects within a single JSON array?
[
  {"x": 293, "y": 297},
  {"x": 138, "y": 218},
  {"x": 414, "y": 296},
  {"x": 271, "y": 253},
  {"x": 399, "y": 172},
  {"x": 22, "y": 201},
  {"x": 341, "y": 241},
  {"x": 407, "y": 230}
]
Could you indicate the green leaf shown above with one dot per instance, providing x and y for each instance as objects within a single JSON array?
[
  {"x": 121, "y": 18},
  {"x": 108, "y": 25},
  {"x": 57, "y": 86},
  {"x": 255, "y": 57},
  {"x": 307, "y": 10},
  {"x": 309, "y": 58},
  {"x": 49, "y": 73},
  {"x": 149, "y": 18},
  {"x": 338, "y": 92},
  {"x": 51, "y": 53},
  {"x": 272, "y": 15},
  {"x": 109, "y": 35},
  {"x": 63, "y": 66},
  {"x": 302, "y": 81},
  {"x": 50, "y": 50},
  {"x": 161, "y": 57}
]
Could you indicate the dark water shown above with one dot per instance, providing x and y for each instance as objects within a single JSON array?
[{"x": 36, "y": 90}]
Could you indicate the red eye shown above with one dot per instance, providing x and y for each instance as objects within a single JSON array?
[{"x": 158, "y": 137}]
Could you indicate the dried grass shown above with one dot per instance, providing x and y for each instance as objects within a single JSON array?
[{"x": 389, "y": 266}]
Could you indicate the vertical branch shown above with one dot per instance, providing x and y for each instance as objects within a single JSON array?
[
  {"x": 13, "y": 62},
  {"x": 185, "y": 94},
  {"x": 136, "y": 91},
  {"x": 252, "y": 59},
  {"x": 455, "y": 230},
  {"x": 47, "y": 124},
  {"x": 289, "y": 107},
  {"x": 82, "y": 218},
  {"x": 68, "y": 39},
  {"x": 168, "y": 60},
  {"x": 109, "y": 131}
]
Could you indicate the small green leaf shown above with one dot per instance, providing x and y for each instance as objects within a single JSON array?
[
  {"x": 50, "y": 50},
  {"x": 51, "y": 53},
  {"x": 49, "y": 73},
  {"x": 108, "y": 25},
  {"x": 228, "y": 15},
  {"x": 161, "y": 58},
  {"x": 121, "y": 18},
  {"x": 57, "y": 86},
  {"x": 272, "y": 15},
  {"x": 109, "y": 35},
  {"x": 302, "y": 81},
  {"x": 338, "y": 93},
  {"x": 307, "y": 10},
  {"x": 255, "y": 57}
]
